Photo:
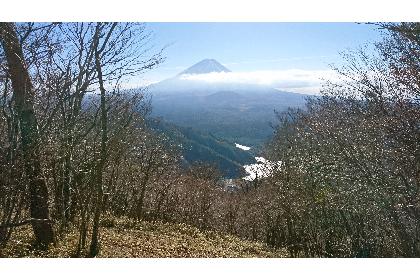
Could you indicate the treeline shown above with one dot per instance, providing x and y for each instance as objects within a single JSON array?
[
  {"x": 76, "y": 151},
  {"x": 66, "y": 128},
  {"x": 350, "y": 177}
]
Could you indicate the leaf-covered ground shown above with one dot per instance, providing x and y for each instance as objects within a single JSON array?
[{"x": 127, "y": 238}]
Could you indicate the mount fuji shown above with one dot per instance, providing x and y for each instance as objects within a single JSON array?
[
  {"x": 184, "y": 83},
  {"x": 240, "y": 113}
]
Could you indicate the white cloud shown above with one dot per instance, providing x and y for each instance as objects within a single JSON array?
[
  {"x": 296, "y": 80},
  {"x": 296, "y": 58}
]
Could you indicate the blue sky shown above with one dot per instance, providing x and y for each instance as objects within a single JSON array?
[{"x": 254, "y": 47}]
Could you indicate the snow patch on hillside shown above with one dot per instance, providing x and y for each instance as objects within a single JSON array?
[{"x": 242, "y": 147}]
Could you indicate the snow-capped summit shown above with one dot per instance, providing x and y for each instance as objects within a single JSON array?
[
  {"x": 185, "y": 83},
  {"x": 205, "y": 66}
]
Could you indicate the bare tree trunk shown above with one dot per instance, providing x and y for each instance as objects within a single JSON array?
[
  {"x": 24, "y": 99},
  {"x": 94, "y": 249}
]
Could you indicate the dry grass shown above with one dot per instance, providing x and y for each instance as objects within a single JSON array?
[{"x": 125, "y": 238}]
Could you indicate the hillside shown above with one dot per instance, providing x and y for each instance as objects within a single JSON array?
[
  {"x": 127, "y": 238},
  {"x": 198, "y": 146}
]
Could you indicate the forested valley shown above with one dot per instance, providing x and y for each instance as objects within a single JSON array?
[{"x": 83, "y": 172}]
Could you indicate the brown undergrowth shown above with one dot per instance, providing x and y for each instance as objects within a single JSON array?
[{"x": 124, "y": 238}]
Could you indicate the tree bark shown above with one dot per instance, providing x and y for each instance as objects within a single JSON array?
[
  {"x": 94, "y": 245},
  {"x": 24, "y": 105}
]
